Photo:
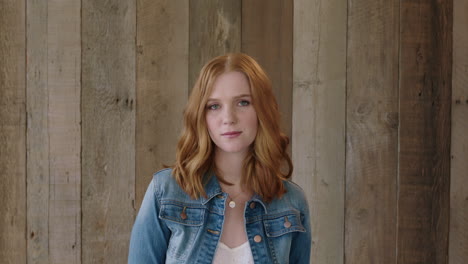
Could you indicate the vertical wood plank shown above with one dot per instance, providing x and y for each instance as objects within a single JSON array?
[
  {"x": 424, "y": 162},
  {"x": 318, "y": 122},
  {"x": 371, "y": 131},
  {"x": 63, "y": 79},
  {"x": 53, "y": 107},
  {"x": 162, "y": 81},
  {"x": 37, "y": 134},
  {"x": 458, "y": 250},
  {"x": 215, "y": 29},
  {"x": 12, "y": 132},
  {"x": 108, "y": 129},
  {"x": 267, "y": 36}
]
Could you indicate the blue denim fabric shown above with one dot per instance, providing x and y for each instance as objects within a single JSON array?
[{"x": 173, "y": 228}]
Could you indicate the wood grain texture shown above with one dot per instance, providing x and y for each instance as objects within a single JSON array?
[
  {"x": 63, "y": 80},
  {"x": 458, "y": 250},
  {"x": 215, "y": 29},
  {"x": 37, "y": 107},
  {"x": 424, "y": 161},
  {"x": 108, "y": 129},
  {"x": 12, "y": 133},
  {"x": 267, "y": 36},
  {"x": 162, "y": 85},
  {"x": 318, "y": 121},
  {"x": 371, "y": 131}
]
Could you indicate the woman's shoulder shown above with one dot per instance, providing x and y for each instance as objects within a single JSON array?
[
  {"x": 290, "y": 185},
  {"x": 164, "y": 176},
  {"x": 294, "y": 197},
  {"x": 294, "y": 190},
  {"x": 166, "y": 186}
]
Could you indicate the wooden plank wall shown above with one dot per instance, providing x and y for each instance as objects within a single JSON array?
[
  {"x": 63, "y": 82},
  {"x": 92, "y": 94},
  {"x": 458, "y": 249},
  {"x": 162, "y": 81},
  {"x": 108, "y": 129},
  {"x": 424, "y": 136},
  {"x": 37, "y": 96},
  {"x": 53, "y": 131},
  {"x": 12, "y": 132},
  {"x": 371, "y": 132},
  {"x": 214, "y": 29},
  {"x": 318, "y": 132}
]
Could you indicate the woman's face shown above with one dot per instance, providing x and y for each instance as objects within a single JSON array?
[{"x": 230, "y": 116}]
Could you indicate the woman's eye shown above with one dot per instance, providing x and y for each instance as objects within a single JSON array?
[
  {"x": 213, "y": 107},
  {"x": 244, "y": 103}
]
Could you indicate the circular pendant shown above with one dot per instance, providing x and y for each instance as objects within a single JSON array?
[{"x": 232, "y": 204}]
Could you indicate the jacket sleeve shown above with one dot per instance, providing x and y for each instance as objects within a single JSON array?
[
  {"x": 150, "y": 235},
  {"x": 302, "y": 242}
]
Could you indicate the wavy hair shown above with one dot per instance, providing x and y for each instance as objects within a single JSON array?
[{"x": 267, "y": 163}]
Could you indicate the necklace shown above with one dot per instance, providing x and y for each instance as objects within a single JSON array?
[{"x": 232, "y": 203}]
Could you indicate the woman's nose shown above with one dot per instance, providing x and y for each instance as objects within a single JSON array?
[{"x": 229, "y": 116}]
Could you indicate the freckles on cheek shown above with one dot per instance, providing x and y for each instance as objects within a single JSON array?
[{"x": 209, "y": 126}]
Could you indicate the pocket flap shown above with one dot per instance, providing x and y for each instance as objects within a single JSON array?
[
  {"x": 184, "y": 214},
  {"x": 282, "y": 223}
]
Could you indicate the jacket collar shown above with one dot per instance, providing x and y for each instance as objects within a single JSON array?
[
  {"x": 212, "y": 189},
  {"x": 257, "y": 198}
]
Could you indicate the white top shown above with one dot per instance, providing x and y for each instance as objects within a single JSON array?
[{"x": 226, "y": 255}]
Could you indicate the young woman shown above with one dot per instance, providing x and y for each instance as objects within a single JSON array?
[{"x": 228, "y": 198}]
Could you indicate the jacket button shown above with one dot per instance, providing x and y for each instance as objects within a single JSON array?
[
  {"x": 258, "y": 238},
  {"x": 287, "y": 224},
  {"x": 183, "y": 216},
  {"x": 252, "y": 205}
]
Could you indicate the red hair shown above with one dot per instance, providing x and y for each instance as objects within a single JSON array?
[{"x": 267, "y": 159}]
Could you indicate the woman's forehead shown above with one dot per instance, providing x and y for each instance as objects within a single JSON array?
[{"x": 230, "y": 84}]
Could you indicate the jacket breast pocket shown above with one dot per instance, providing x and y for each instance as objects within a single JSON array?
[
  {"x": 181, "y": 213},
  {"x": 281, "y": 229},
  {"x": 283, "y": 223},
  {"x": 185, "y": 222}
]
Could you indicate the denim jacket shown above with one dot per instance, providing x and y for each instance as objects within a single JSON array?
[{"x": 173, "y": 228}]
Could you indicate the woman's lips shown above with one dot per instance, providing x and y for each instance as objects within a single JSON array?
[{"x": 231, "y": 134}]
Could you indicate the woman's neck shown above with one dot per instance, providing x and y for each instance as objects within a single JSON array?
[{"x": 230, "y": 166}]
